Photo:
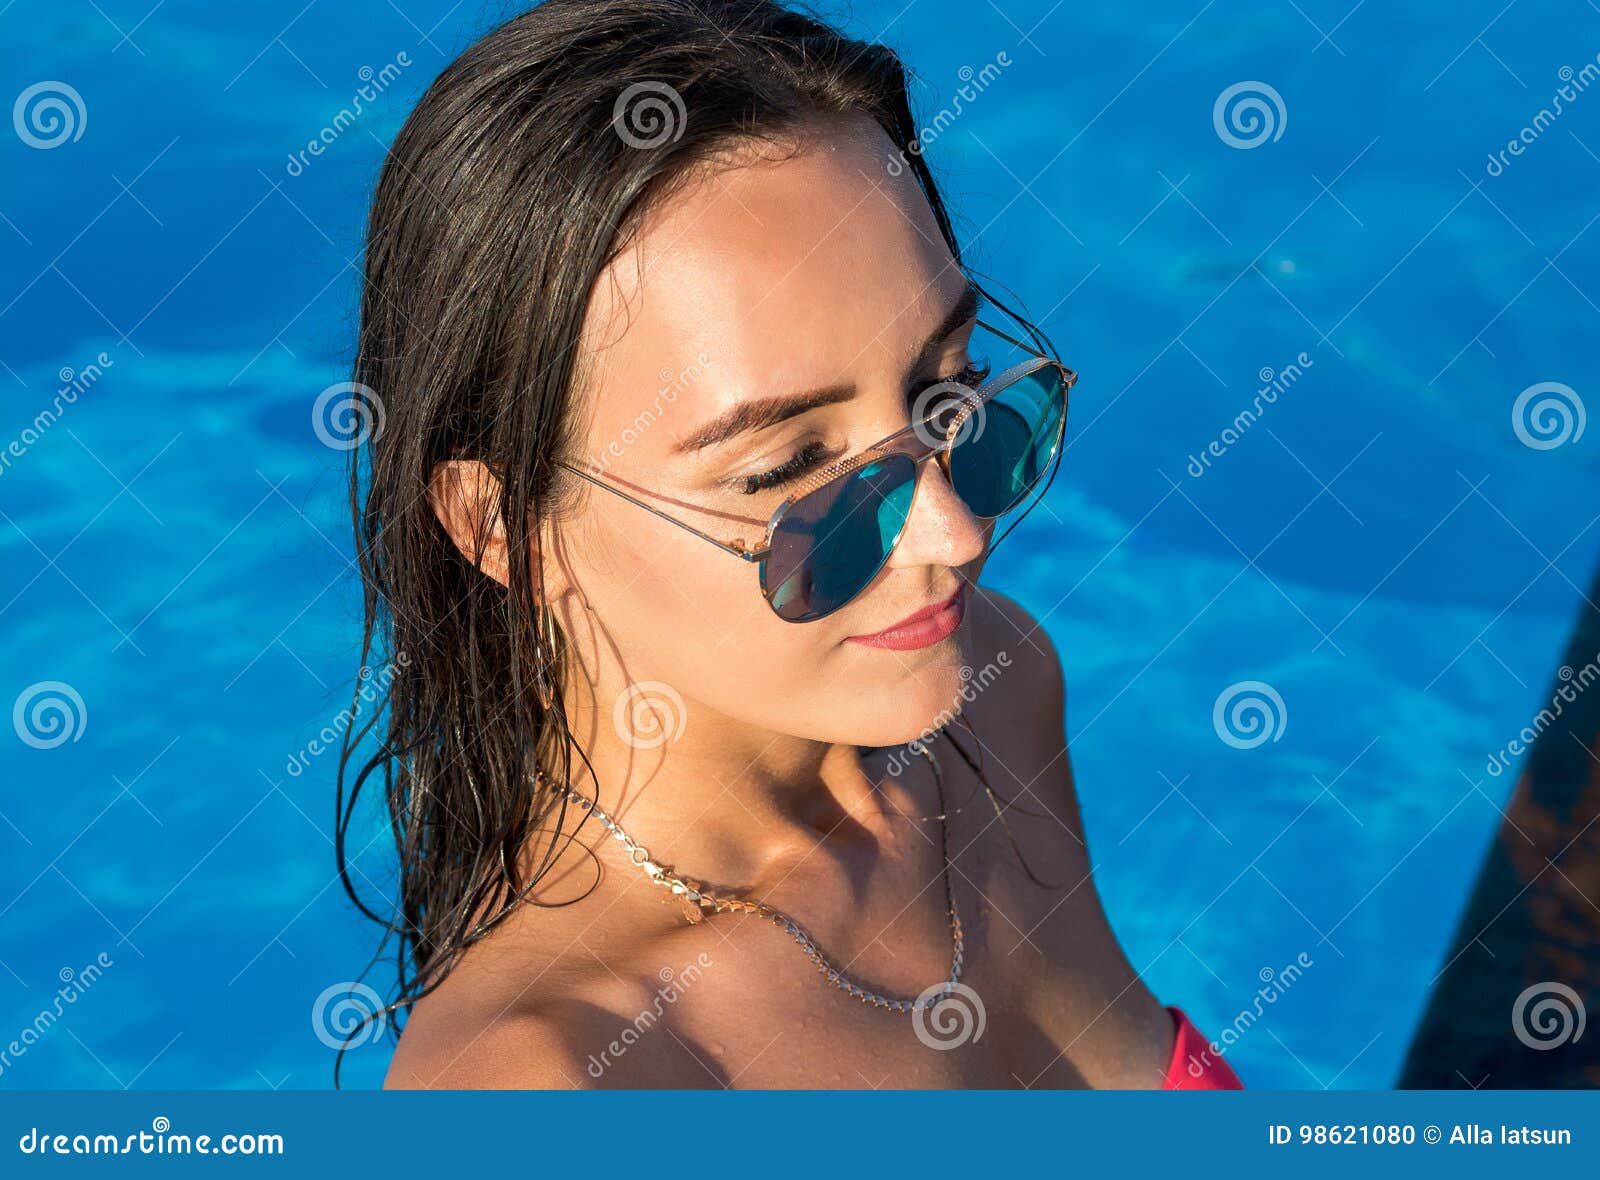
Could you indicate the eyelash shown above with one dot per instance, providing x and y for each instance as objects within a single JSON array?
[
  {"x": 972, "y": 375},
  {"x": 813, "y": 453},
  {"x": 804, "y": 460}
]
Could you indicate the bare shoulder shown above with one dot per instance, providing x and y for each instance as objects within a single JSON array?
[
  {"x": 495, "y": 1025},
  {"x": 466, "y": 1047}
]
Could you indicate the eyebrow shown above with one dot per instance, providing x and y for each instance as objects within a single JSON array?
[{"x": 760, "y": 413}]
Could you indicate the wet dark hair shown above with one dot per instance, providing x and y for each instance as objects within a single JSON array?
[{"x": 511, "y": 186}]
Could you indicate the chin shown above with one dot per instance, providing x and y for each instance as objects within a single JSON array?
[{"x": 915, "y": 701}]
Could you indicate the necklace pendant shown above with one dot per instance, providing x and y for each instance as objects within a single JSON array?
[{"x": 689, "y": 897}]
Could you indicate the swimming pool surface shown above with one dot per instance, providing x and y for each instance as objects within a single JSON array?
[{"x": 1377, "y": 544}]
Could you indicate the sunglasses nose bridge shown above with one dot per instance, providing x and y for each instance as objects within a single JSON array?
[{"x": 952, "y": 535}]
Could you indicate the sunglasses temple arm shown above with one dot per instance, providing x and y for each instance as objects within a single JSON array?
[
  {"x": 746, "y": 554},
  {"x": 1010, "y": 339}
]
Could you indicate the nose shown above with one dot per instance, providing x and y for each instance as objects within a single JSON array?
[{"x": 940, "y": 530}]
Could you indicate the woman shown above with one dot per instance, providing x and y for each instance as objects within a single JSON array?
[{"x": 695, "y": 435}]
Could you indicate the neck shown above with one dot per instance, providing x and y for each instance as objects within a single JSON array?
[{"x": 725, "y": 799}]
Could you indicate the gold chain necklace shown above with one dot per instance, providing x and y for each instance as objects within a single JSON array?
[{"x": 701, "y": 900}]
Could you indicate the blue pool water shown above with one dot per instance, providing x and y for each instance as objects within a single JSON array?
[{"x": 1379, "y": 546}]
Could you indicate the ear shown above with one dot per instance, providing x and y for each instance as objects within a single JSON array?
[{"x": 466, "y": 498}]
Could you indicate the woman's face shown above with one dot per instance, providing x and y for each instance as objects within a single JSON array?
[{"x": 770, "y": 317}]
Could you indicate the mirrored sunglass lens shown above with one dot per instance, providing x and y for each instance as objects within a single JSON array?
[
  {"x": 1005, "y": 447},
  {"x": 832, "y": 543}
]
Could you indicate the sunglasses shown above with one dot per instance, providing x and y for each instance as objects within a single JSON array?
[{"x": 826, "y": 543}]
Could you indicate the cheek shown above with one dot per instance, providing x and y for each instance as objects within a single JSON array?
[
  {"x": 673, "y": 609},
  {"x": 649, "y": 577},
  {"x": 682, "y": 611}
]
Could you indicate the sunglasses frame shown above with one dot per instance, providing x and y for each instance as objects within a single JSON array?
[{"x": 918, "y": 449}]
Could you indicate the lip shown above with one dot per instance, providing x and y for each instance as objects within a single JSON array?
[{"x": 921, "y": 629}]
